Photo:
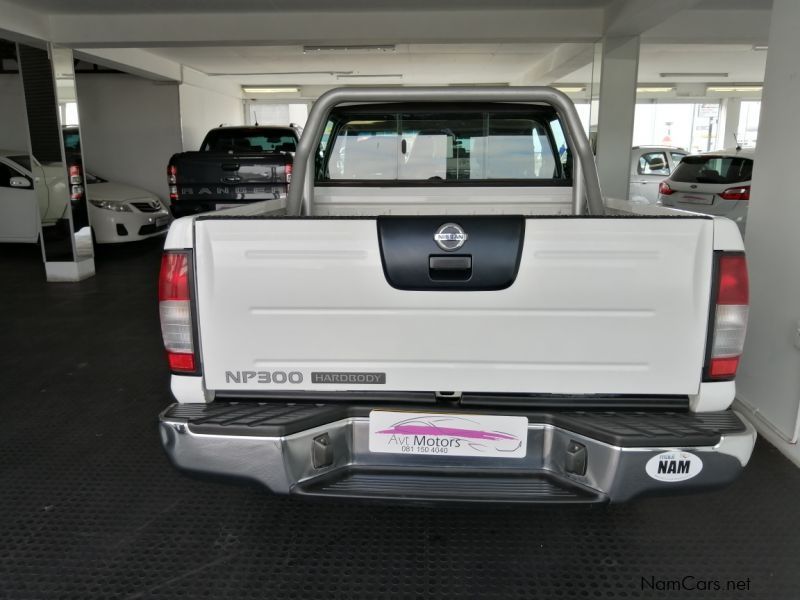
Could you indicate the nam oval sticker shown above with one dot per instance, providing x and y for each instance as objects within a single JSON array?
[{"x": 674, "y": 466}]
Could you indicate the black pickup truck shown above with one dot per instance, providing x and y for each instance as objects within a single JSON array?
[{"x": 235, "y": 165}]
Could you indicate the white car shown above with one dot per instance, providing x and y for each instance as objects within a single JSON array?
[
  {"x": 20, "y": 205},
  {"x": 425, "y": 318},
  {"x": 117, "y": 212},
  {"x": 649, "y": 166},
  {"x": 124, "y": 213},
  {"x": 713, "y": 183}
]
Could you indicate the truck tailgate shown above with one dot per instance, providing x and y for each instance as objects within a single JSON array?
[
  {"x": 221, "y": 176},
  {"x": 597, "y": 306}
]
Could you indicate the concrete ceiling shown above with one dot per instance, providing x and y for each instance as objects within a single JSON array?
[
  {"x": 420, "y": 64},
  {"x": 228, "y": 43},
  {"x": 255, "y": 6},
  {"x": 400, "y": 64},
  {"x": 741, "y": 62}
]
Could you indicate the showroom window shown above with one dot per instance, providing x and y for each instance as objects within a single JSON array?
[
  {"x": 276, "y": 113},
  {"x": 747, "y": 131},
  {"x": 693, "y": 126}
]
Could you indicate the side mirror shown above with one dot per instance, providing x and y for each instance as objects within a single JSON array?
[{"x": 19, "y": 182}]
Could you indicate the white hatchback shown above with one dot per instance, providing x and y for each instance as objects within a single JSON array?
[{"x": 714, "y": 183}]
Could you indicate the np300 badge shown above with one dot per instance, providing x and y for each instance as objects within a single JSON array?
[{"x": 450, "y": 237}]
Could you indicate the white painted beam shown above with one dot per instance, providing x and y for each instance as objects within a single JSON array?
[
  {"x": 151, "y": 66},
  {"x": 561, "y": 61},
  {"x": 134, "y": 61},
  {"x": 615, "y": 114},
  {"x": 712, "y": 27},
  {"x": 435, "y": 26},
  {"x": 21, "y": 24},
  {"x": 634, "y": 17}
]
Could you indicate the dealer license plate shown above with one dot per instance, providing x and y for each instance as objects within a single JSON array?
[
  {"x": 447, "y": 434},
  {"x": 697, "y": 199},
  {"x": 161, "y": 221}
]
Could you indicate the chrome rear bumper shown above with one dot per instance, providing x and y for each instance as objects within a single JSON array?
[{"x": 333, "y": 458}]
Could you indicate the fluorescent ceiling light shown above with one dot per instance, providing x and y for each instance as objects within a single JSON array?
[
  {"x": 381, "y": 75},
  {"x": 571, "y": 90},
  {"x": 270, "y": 90},
  {"x": 351, "y": 48},
  {"x": 262, "y": 73},
  {"x": 760, "y": 48},
  {"x": 673, "y": 75},
  {"x": 654, "y": 90},
  {"x": 734, "y": 88},
  {"x": 482, "y": 84}
]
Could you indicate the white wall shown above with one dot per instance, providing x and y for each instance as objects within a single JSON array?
[
  {"x": 130, "y": 127},
  {"x": 14, "y": 129},
  {"x": 203, "y": 109},
  {"x": 769, "y": 378}
]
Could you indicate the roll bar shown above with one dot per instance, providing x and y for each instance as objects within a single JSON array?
[{"x": 584, "y": 170}]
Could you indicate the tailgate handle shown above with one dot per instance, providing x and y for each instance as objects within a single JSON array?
[
  {"x": 450, "y": 263},
  {"x": 230, "y": 166}
]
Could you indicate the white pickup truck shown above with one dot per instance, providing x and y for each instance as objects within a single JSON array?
[{"x": 445, "y": 308}]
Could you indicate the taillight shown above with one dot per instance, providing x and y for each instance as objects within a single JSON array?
[
  {"x": 75, "y": 175},
  {"x": 664, "y": 189},
  {"x": 288, "y": 170},
  {"x": 75, "y": 182},
  {"x": 736, "y": 193},
  {"x": 730, "y": 316},
  {"x": 172, "y": 179},
  {"x": 175, "y": 309}
]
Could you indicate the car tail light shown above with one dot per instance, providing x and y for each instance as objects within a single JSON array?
[
  {"x": 736, "y": 193},
  {"x": 172, "y": 179},
  {"x": 288, "y": 170},
  {"x": 75, "y": 182},
  {"x": 664, "y": 189},
  {"x": 75, "y": 175},
  {"x": 730, "y": 316},
  {"x": 175, "y": 309}
]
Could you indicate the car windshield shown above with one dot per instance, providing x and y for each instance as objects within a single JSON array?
[
  {"x": 441, "y": 148},
  {"x": 249, "y": 139},
  {"x": 713, "y": 169}
]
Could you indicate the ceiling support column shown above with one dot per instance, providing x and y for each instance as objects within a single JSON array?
[
  {"x": 618, "y": 76},
  {"x": 769, "y": 377}
]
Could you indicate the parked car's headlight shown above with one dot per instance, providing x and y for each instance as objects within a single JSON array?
[{"x": 111, "y": 205}]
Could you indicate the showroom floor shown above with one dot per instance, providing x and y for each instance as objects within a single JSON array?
[{"x": 91, "y": 508}]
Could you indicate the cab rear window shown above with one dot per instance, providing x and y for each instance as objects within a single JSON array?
[
  {"x": 713, "y": 169},
  {"x": 249, "y": 140},
  {"x": 440, "y": 148}
]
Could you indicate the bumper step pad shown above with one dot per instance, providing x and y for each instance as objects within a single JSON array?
[
  {"x": 404, "y": 485},
  {"x": 618, "y": 428}
]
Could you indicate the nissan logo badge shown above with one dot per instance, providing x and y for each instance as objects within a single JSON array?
[{"x": 450, "y": 237}]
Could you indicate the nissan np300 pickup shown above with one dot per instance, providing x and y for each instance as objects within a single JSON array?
[{"x": 445, "y": 308}]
